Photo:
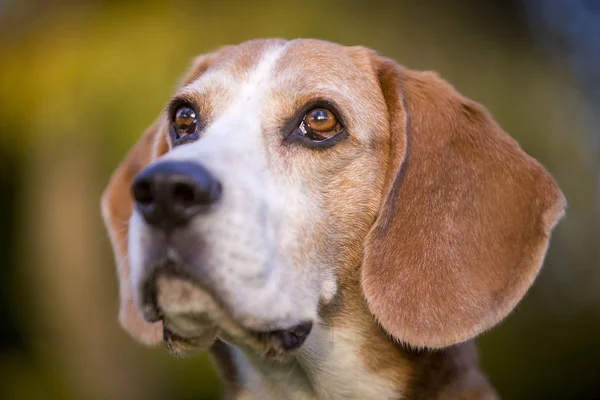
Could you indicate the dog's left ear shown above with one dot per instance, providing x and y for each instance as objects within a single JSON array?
[
  {"x": 117, "y": 206},
  {"x": 465, "y": 219}
]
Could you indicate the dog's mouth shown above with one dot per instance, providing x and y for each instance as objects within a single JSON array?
[
  {"x": 193, "y": 320},
  {"x": 276, "y": 344}
]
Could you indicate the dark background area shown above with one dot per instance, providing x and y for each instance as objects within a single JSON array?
[{"x": 80, "y": 80}]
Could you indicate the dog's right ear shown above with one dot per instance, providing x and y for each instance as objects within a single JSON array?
[{"x": 117, "y": 206}]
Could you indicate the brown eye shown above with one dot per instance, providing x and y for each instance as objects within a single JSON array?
[
  {"x": 320, "y": 124},
  {"x": 185, "y": 121}
]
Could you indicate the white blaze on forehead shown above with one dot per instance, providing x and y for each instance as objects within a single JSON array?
[
  {"x": 258, "y": 79},
  {"x": 245, "y": 111},
  {"x": 240, "y": 119}
]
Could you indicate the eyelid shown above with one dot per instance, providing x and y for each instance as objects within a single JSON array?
[{"x": 321, "y": 144}]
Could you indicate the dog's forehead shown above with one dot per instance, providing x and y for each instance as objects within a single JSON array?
[
  {"x": 316, "y": 59},
  {"x": 308, "y": 55},
  {"x": 300, "y": 65},
  {"x": 239, "y": 61},
  {"x": 277, "y": 77}
]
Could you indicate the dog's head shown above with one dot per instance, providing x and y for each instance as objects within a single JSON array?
[{"x": 279, "y": 169}]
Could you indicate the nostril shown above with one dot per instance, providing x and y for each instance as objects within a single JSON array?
[
  {"x": 184, "y": 194},
  {"x": 142, "y": 192},
  {"x": 187, "y": 194}
]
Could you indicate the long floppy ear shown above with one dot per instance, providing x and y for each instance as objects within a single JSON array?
[
  {"x": 465, "y": 219},
  {"x": 117, "y": 206}
]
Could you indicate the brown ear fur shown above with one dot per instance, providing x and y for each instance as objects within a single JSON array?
[
  {"x": 465, "y": 221},
  {"x": 117, "y": 206}
]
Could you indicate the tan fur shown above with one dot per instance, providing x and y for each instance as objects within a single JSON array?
[
  {"x": 424, "y": 227},
  {"x": 466, "y": 221}
]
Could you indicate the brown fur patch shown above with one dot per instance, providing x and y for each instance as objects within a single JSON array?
[{"x": 464, "y": 227}]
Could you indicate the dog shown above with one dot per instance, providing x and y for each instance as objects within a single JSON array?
[{"x": 327, "y": 223}]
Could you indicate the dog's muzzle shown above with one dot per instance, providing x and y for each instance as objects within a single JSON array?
[{"x": 169, "y": 195}]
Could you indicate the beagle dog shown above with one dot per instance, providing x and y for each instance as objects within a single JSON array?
[{"x": 327, "y": 223}]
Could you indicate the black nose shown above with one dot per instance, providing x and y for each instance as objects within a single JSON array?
[{"x": 170, "y": 193}]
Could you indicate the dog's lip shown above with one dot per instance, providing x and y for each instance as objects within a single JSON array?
[
  {"x": 150, "y": 313},
  {"x": 289, "y": 339},
  {"x": 180, "y": 327},
  {"x": 168, "y": 332},
  {"x": 166, "y": 266}
]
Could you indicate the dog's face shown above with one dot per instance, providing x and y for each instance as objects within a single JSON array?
[
  {"x": 279, "y": 168},
  {"x": 280, "y": 136}
]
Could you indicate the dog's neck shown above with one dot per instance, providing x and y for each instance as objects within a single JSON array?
[
  {"x": 354, "y": 360},
  {"x": 329, "y": 365}
]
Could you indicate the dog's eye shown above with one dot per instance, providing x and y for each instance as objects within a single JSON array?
[
  {"x": 319, "y": 124},
  {"x": 185, "y": 121}
]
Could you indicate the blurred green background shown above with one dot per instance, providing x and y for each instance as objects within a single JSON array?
[{"x": 80, "y": 80}]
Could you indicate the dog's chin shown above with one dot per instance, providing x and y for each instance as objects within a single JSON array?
[
  {"x": 180, "y": 346},
  {"x": 192, "y": 321}
]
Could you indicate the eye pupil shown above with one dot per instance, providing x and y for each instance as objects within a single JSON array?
[
  {"x": 185, "y": 121},
  {"x": 320, "y": 115}
]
